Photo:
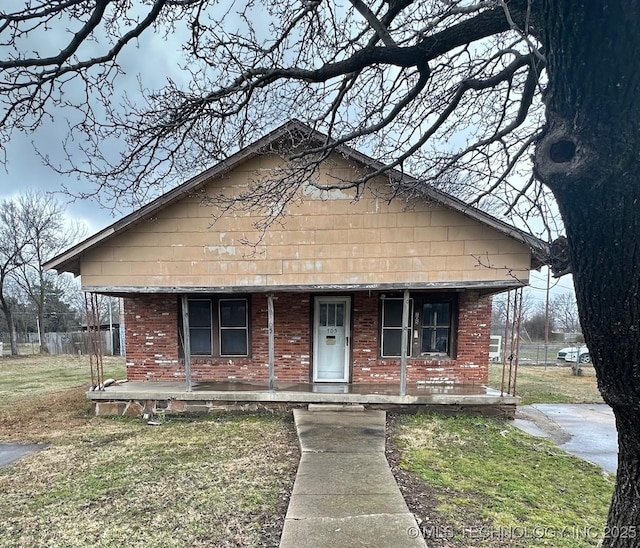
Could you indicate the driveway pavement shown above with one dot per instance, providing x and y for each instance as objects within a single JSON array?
[
  {"x": 585, "y": 430},
  {"x": 11, "y": 452}
]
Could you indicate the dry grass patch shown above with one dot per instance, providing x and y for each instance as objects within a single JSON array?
[
  {"x": 45, "y": 418},
  {"x": 553, "y": 384},
  {"x": 26, "y": 376},
  {"x": 223, "y": 481},
  {"x": 42, "y": 398},
  {"x": 214, "y": 481}
]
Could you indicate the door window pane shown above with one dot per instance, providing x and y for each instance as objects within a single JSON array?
[
  {"x": 331, "y": 314},
  {"x": 340, "y": 315},
  {"x": 323, "y": 315}
]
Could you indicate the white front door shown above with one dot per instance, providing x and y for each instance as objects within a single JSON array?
[{"x": 331, "y": 339}]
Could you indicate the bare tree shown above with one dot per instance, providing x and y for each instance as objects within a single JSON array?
[
  {"x": 503, "y": 308},
  {"x": 461, "y": 93},
  {"x": 536, "y": 323},
  {"x": 41, "y": 218},
  {"x": 564, "y": 311},
  {"x": 13, "y": 241}
]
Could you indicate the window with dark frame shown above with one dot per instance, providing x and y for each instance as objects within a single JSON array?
[
  {"x": 430, "y": 330},
  {"x": 436, "y": 327},
  {"x": 391, "y": 327},
  {"x": 233, "y": 326},
  {"x": 200, "y": 327},
  {"x": 227, "y": 318}
]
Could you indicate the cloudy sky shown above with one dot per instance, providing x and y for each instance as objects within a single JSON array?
[
  {"x": 24, "y": 171},
  {"x": 154, "y": 59}
]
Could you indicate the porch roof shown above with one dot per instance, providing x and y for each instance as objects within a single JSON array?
[{"x": 486, "y": 287}]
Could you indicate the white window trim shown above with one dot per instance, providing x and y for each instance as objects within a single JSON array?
[{"x": 215, "y": 345}]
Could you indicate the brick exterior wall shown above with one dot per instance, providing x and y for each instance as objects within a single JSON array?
[
  {"x": 152, "y": 337},
  {"x": 471, "y": 363}
]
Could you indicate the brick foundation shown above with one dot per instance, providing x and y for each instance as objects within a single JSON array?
[{"x": 152, "y": 343}]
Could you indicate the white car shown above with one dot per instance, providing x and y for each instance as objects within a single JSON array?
[{"x": 575, "y": 354}]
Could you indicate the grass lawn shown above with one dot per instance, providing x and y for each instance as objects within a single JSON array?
[
  {"x": 225, "y": 480},
  {"x": 216, "y": 481},
  {"x": 37, "y": 375},
  {"x": 492, "y": 485},
  {"x": 553, "y": 384}
]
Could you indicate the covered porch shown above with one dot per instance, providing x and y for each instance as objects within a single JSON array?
[
  {"x": 390, "y": 336},
  {"x": 382, "y": 348}
]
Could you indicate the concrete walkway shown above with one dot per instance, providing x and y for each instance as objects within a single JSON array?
[{"x": 345, "y": 493}]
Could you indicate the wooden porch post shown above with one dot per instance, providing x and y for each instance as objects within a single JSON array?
[
  {"x": 186, "y": 342},
  {"x": 403, "y": 341},
  {"x": 272, "y": 342}
]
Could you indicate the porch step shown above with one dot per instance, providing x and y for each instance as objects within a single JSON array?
[{"x": 335, "y": 407}]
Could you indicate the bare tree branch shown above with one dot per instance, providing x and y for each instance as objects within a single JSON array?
[{"x": 372, "y": 61}]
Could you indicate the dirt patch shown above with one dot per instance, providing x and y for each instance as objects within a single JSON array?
[{"x": 272, "y": 527}]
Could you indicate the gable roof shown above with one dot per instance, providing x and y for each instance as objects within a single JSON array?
[{"x": 69, "y": 260}]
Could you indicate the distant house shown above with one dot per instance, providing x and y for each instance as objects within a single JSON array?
[{"x": 329, "y": 281}]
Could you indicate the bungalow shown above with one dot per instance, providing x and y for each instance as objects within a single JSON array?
[{"x": 350, "y": 294}]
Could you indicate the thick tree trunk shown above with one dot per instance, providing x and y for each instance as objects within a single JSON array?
[
  {"x": 590, "y": 158},
  {"x": 624, "y": 515}
]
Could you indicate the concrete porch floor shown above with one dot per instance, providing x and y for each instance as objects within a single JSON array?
[{"x": 301, "y": 393}]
